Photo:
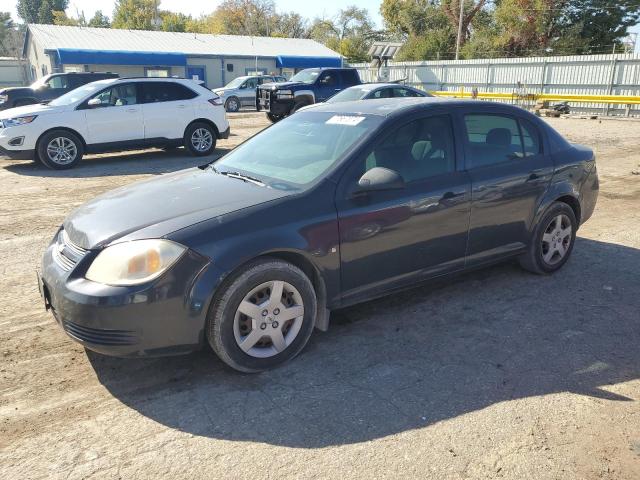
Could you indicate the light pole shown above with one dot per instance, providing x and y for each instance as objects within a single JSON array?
[{"x": 459, "y": 29}]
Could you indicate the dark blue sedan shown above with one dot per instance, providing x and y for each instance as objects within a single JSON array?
[{"x": 332, "y": 206}]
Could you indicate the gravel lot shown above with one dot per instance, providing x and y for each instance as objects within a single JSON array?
[{"x": 495, "y": 374}]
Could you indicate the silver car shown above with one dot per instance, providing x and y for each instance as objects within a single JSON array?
[{"x": 241, "y": 91}]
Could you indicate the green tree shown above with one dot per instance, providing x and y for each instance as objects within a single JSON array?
[
  {"x": 99, "y": 20},
  {"x": 174, "y": 22},
  {"x": 40, "y": 11},
  {"x": 289, "y": 25},
  {"x": 134, "y": 14}
]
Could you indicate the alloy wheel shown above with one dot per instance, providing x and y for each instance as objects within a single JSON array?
[
  {"x": 62, "y": 150},
  {"x": 232, "y": 105},
  {"x": 268, "y": 319},
  {"x": 556, "y": 239},
  {"x": 201, "y": 139}
]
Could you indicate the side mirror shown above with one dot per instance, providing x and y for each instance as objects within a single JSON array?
[
  {"x": 378, "y": 179},
  {"x": 94, "y": 103}
]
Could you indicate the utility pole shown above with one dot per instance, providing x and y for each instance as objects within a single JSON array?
[{"x": 459, "y": 29}]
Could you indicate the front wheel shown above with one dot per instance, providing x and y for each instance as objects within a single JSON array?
[
  {"x": 200, "y": 139},
  {"x": 552, "y": 241},
  {"x": 274, "y": 118},
  {"x": 232, "y": 104},
  {"x": 264, "y": 317},
  {"x": 59, "y": 149}
]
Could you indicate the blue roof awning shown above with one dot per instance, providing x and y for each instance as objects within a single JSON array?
[
  {"x": 290, "y": 61},
  {"x": 120, "y": 57}
]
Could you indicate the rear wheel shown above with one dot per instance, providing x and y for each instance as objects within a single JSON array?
[
  {"x": 200, "y": 139},
  {"x": 59, "y": 149},
  {"x": 553, "y": 240},
  {"x": 264, "y": 317}
]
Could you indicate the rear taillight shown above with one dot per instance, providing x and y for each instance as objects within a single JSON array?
[{"x": 216, "y": 101}]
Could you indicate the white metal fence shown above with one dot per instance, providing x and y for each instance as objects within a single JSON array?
[{"x": 611, "y": 74}]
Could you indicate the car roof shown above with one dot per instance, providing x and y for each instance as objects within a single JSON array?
[{"x": 391, "y": 106}]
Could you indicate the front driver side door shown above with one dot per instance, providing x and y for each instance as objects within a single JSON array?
[
  {"x": 327, "y": 86},
  {"x": 117, "y": 118},
  {"x": 396, "y": 237}
]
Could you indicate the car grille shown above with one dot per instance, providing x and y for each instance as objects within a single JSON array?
[
  {"x": 99, "y": 336},
  {"x": 66, "y": 253},
  {"x": 265, "y": 96}
]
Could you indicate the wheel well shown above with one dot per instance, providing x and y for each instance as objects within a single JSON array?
[
  {"x": 204, "y": 120},
  {"x": 303, "y": 99},
  {"x": 70, "y": 130},
  {"x": 573, "y": 203}
]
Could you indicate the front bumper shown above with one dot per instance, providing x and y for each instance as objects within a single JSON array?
[
  {"x": 17, "y": 154},
  {"x": 164, "y": 317}
]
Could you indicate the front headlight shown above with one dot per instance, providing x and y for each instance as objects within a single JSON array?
[
  {"x": 220, "y": 93},
  {"x": 133, "y": 263},
  {"x": 16, "y": 121},
  {"x": 3, "y": 98},
  {"x": 284, "y": 93}
]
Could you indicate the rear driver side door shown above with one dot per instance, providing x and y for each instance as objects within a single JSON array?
[{"x": 167, "y": 108}]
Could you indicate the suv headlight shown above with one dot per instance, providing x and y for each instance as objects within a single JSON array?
[
  {"x": 3, "y": 98},
  {"x": 16, "y": 121},
  {"x": 284, "y": 93},
  {"x": 133, "y": 263}
]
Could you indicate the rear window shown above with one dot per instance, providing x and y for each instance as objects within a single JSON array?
[
  {"x": 350, "y": 77},
  {"x": 165, "y": 92}
]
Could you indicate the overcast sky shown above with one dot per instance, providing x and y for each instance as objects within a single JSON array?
[{"x": 306, "y": 8}]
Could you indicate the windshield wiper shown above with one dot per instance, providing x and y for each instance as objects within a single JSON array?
[{"x": 244, "y": 178}]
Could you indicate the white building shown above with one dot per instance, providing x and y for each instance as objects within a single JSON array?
[{"x": 216, "y": 59}]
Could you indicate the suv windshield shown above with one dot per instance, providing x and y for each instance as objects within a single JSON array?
[
  {"x": 296, "y": 152},
  {"x": 306, "y": 76},
  {"x": 236, "y": 82},
  {"x": 77, "y": 94}
]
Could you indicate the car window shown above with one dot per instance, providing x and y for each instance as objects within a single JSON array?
[
  {"x": 154, "y": 92},
  {"x": 404, "y": 92},
  {"x": 350, "y": 77},
  {"x": 417, "y": 150},
  {"x": 530, "y": 138},
  {"x": 117, "y": 96},
  {"x": 328, "y": 79},
  {"x": 382, "y": 93},
  {"x": 57, "y": 82},
  {"x": 492, "y": 139},
  {"x": 251, "y": 83}
]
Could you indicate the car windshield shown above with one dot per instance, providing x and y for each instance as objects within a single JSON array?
[
  {"x": 306, "y": 76},
  {"x": 353, "y": 93},
  {"x": 297, "y": 151},
  {"x": 235, "y": 83},
  {"x": 76, "y": 95}
]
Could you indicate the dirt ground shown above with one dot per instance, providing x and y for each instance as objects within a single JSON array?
[{"x": 496, "y": 374}]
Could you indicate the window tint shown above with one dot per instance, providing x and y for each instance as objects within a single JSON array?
[
  {"x": 57, "y": 82},
  {"x": 417, "y": 150},
  {"x": 165, "y": 92},
  {"x": 382, "y": 93},
  {"x": 328, "y": 79},
  {"x": 530, "y": 138},
  {"x": 350, "y": 77},
  {"x": 403, "y": 92},
  {"x": 117, "y": 96},
  {"x": 492, "y": 139}
]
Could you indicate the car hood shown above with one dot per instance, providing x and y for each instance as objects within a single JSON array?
[
  {"x": 222, "y": 91},
  {"x": 154, "y": 208},
  {"x": 35, "y": 109},
  {"x": 18, "y": 90},
  {"x": 269, "y": 86}
]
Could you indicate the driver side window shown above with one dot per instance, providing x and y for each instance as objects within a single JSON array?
[
  {"x": 416, "y": 150},
  {"x": 57, "y": 82},
  {"x": 328, "y": 79},
  {"x": 117, "y": 96}
]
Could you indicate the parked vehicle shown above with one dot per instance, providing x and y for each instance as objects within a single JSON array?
[
  {"x": 370, "y": 91},
  {"x": 47, "y": 88},
  {"x": 309, "y": 86},
  {"x": 113, "y": 115},
  {"x": 241, "y": 91},
  {"x": 326, "y": 209}
]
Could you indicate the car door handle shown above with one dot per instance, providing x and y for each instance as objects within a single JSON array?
[
  {"x": 337, "y": 89},
  {"x": 533, "y": 176},
  {"x": 132, "y": 110},
  {"x": 181, "y": 106}
]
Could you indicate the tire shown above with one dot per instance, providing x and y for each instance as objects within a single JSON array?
[
  {"x": 232, "y": 104},
  {"x": 298, "y": 105},
  {"x": 60, "y": 149},
  {"x": 254, "y": 287},
  {"x": 274, "y": 118},
  {"x": 196, "y": 134},
  {"x": 552, "y": 243}
]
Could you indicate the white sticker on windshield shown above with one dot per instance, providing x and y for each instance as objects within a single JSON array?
[{"x": 350, "y": 120}]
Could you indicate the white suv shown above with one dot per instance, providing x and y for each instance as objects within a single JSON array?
[{"x": 112, "y": 115}]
